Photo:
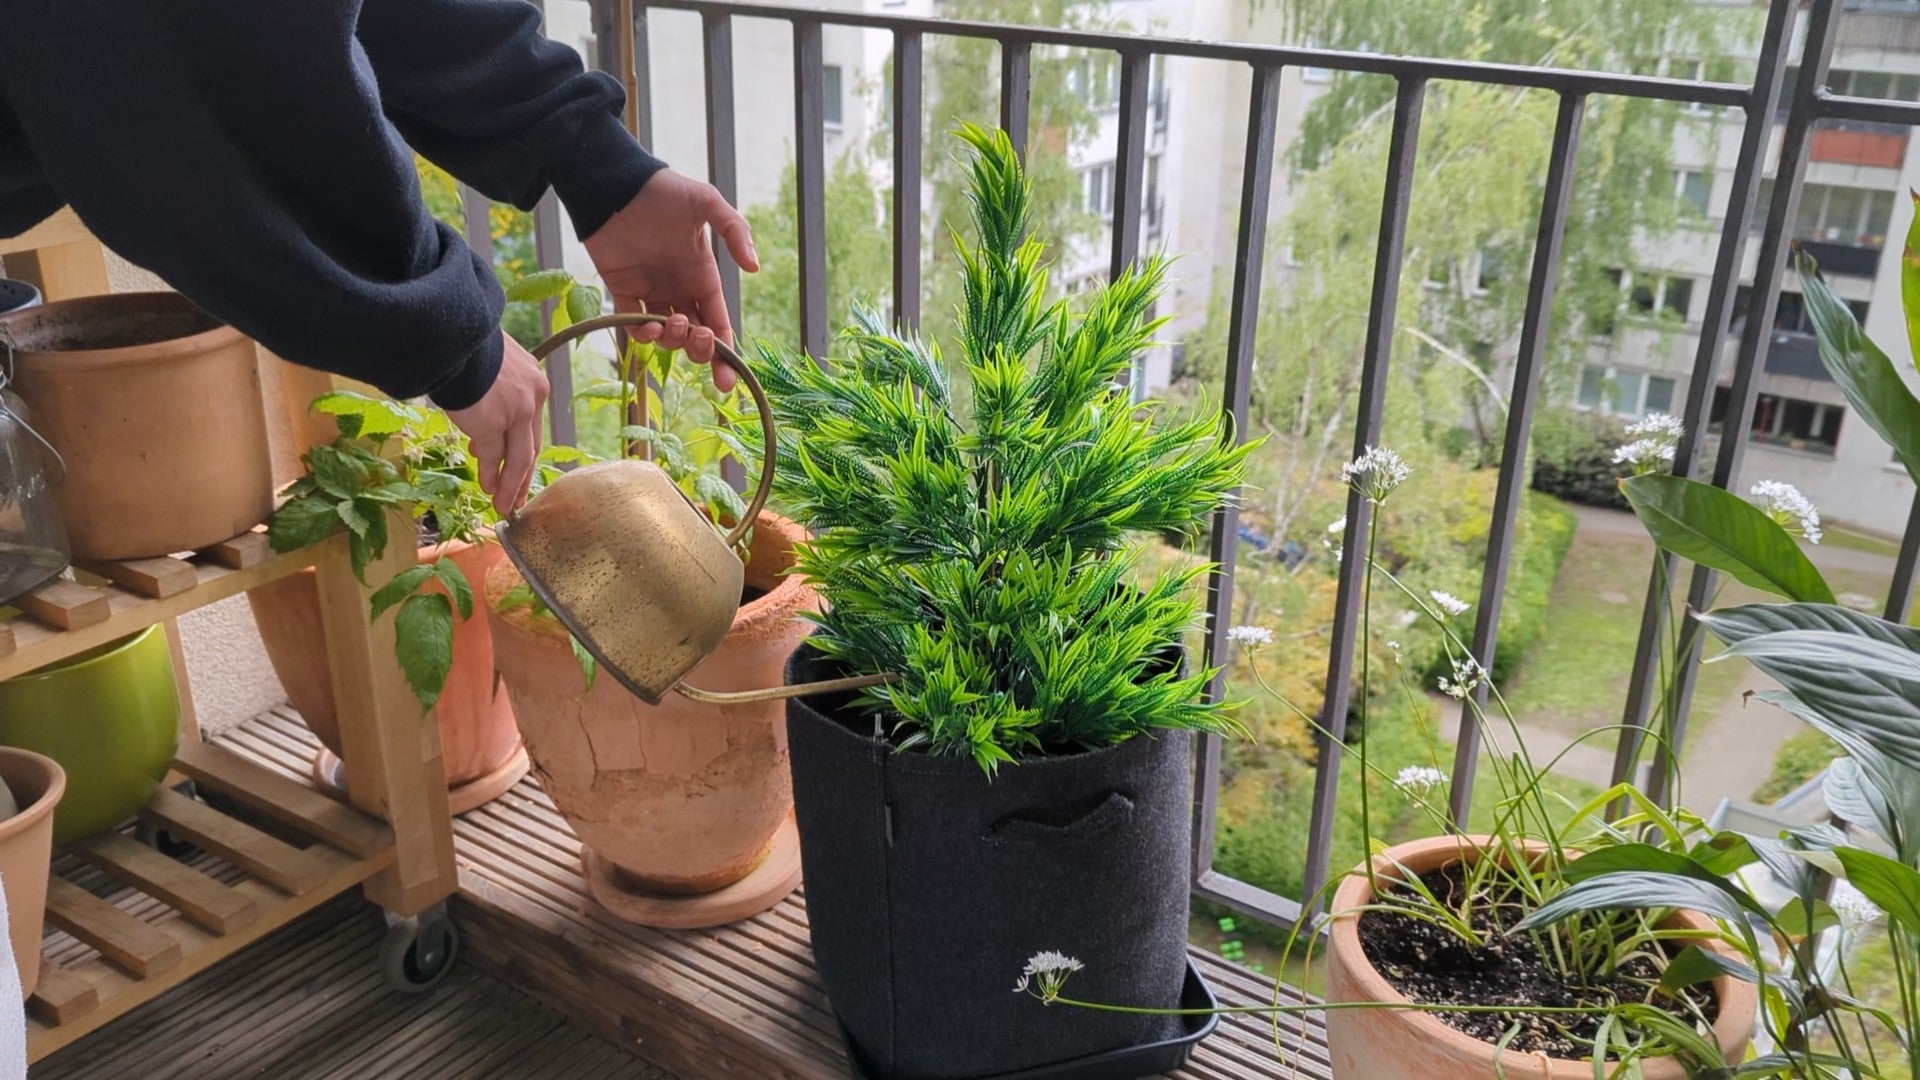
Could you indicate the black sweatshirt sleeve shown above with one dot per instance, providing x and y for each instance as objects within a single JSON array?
[{"x": 243, "y": 151}]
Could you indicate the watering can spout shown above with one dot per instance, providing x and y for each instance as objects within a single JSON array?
[{"x": 634, "y": 571}]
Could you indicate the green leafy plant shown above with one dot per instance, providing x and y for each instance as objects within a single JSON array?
[
  {"x": 393, "y": 455},
  {"x": 980, "y": 549}
]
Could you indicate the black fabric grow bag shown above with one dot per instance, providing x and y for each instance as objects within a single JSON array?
[{"x": 928, "y": 887}]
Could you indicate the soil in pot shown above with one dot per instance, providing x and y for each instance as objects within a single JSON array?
[
  {"x": 683, "y": 808},
  {"x": 479, "y": 743},
  {"x": 156, "y": 408},
  {"x": 1425, "y": 962}
]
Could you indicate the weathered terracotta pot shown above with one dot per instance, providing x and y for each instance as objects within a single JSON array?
[
  {"x": 683, "y": 799},
  {"x": 479, "y": 743},
  {"x": 155, "y": 406},
  {"x": 26, "y": 852},
  {"x": 1370, "y": 1044}
]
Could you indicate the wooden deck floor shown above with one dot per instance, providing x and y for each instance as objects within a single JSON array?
[
  {"x": 309, "y": 1003},
  {"x": 740, "y": 1002}
]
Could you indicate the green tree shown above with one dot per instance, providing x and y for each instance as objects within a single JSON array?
[{"x": 858, "y": 243}]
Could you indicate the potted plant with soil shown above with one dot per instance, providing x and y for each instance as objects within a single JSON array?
[
  {"x": 1026, "y": 780},
  {"x": 684, "y": 808},
  {"x": 394, "y": 454}
]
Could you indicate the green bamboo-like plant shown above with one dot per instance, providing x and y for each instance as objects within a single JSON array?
[{"x": 982, "y": 549}]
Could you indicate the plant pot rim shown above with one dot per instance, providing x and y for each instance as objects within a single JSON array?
[
  {"x": 97, "y": 655},
  {"x": 215, "y": 336},
  {"x": 777, "y": 605},
  {"x": 27, "y": 816},
  {"x": 1739, "y": 1000}
]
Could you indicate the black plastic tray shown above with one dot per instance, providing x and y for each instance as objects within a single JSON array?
[{"x": 1126, "y": 1063}]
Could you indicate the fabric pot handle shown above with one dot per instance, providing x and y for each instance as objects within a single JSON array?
[{"x": 1110, "y": 813}]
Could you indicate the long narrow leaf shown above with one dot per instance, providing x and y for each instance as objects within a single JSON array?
[
  {"x": 1719, "y": 529},
  {"x": 1872, "y": 384}
]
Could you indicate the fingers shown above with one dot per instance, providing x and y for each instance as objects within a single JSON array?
[
  {"x": 523, "y": 445},
  {"x": 487, "y": 448},
  {"x": 735, "y": 232}
]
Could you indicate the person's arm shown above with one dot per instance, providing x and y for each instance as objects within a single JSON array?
[
  {"x": 477, "y": 88},
  {"x": 238, "y": 149}
]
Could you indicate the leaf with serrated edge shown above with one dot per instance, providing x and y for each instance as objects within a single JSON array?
[{"x": 423, "y": 643}]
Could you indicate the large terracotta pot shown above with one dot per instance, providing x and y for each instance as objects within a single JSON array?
[
  {"x": 479, "y": 744},
  {"x": 26, "y": 853},
  {"x": 155, "y": 406},
  {"x": 110, "y": 717},
  {"x": 1369, "y": 1044},
  {"x": 677, "y": 800}
]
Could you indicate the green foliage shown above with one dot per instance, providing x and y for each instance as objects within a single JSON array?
[
  {"x": 1540, "y": 547},
  {"x": 1803, "y": 756},
  {"x": 1718, "y": 529},
  {"x": 858, "y": 243},
  {"x": 979, "y": 549},
  {"x": 1878, "y": 392},
  {"x": 1573, "y": 457}
]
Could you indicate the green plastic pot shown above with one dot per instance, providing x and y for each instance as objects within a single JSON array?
[{"x": 110, "y": 717}]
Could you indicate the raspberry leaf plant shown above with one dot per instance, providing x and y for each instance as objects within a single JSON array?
[{"x": 983, "y": 548}]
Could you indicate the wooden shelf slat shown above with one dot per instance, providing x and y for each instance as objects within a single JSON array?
[
  {"x": 140, "y": 948},
  {"x": 61, "y": 997},
  {"x": 67, "y": 605},
  {"x": 158, "y": 578},
  {"x": 247, "y": 549},
  {"x": 288, "y": 868},
  {"x": 288, "y": 801},
  {"x": 193, "y": 894}
]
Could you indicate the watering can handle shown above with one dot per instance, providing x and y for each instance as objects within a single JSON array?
[{"x": 724, "y": 352}]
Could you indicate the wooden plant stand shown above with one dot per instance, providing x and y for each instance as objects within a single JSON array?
[{"x": 131, "y": 922}]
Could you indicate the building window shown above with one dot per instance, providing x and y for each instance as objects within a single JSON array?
[
  {"x": 1156, "y": 207},
  {"x": 1097, "y": 182},
  {"x": 1829, "y": 213},
  {"x": 1791, "y": 315},
  {"x": 833, "y": 107},
  {"x": 1492, "y": 269},
  {"x": 1158, "y": 92},
  {"x": 1095, "y": 80},
  {"x": 1623, "y": 391},
  {"x": 1656, "y": 294},
  {"x": 1812, "y": 426},
  {"x": 1693, "y": 186}
]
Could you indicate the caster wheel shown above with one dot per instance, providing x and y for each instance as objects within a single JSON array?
[
  {"x": 417, "y": 953},
  {"x": 164, "y": 842}
]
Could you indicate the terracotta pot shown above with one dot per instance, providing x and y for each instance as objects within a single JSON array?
[
  {"x": 477, "y": 733},
  {"x": 26, "y": 853},
  {"x": 1367, "y": 1044},
  {"x": 155, "y": 405},
  {"x": 683, "y": 798}
]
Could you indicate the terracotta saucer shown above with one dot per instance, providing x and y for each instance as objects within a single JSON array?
[
  {"x": 777, "y": 875},
  {"x": 330, "y": 776}
]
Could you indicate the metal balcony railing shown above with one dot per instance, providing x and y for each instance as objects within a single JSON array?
[{"x": 1759, "y": 102}]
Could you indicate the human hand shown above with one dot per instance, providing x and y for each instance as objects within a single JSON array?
[
  {"x": 504, "y": 427},
  {"x": 655, "y": 255}
]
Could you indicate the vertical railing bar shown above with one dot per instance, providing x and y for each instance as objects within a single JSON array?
[
  {"x": 640, "y": 72},
  {"x": 809, "y": 140},
  {"x": 476, "y": 219},
  {"x": 1768, "y": 273},
  {"x": 1402, "y": 150},
  {"x": 1130, "y": 162},
  {"x": 1016, "y": 90},
  {"x": 549, "y": 254},
  {"x": 1757, "y": 131},
  {"x": 1900, "y": 592},
  {"x": 723, "y": 172},
  {"x": 1250, "y": 255},
  {"x": 908, "y": 53},
  {"x": 1529, "y": 365}
]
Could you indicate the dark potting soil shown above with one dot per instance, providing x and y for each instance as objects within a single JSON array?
[
  {"x": 750, "y": 593},
  {"x": 1429, "y": 964}
]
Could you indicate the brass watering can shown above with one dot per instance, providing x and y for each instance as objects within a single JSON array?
[{"x": 634, "y": 570}]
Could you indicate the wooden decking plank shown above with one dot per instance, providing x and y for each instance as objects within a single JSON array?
[
  {"x": 61, "y": 996},
  {"x": 285, "y": 800},
  {"x": 158, "y": 578},
  {"x": 66, "y": 605},
  {"x": 281, "y": 864},
  {"x": 190, "y": 892},
  {"x": 138, "y": 947}
]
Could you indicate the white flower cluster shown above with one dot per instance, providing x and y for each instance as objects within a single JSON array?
[
  {"x": 1376, "y": 473},
  {"x": 1855, "y": 911},
  {"x": 1420, "y": 779},
  {"x": 1792, "y": 510},
  {"x": 1250, "y": 636},
  {"x": 1051, "y": 970},
  {"x": 1467, "y": 674},
  {"x": 1654, "y": 439},
  {"x": 1449, "y": 604}
]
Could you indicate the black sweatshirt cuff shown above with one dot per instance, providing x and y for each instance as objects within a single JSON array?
[
  {"x": 604, "y": 169},
  {"x": 471, "y": 381}
]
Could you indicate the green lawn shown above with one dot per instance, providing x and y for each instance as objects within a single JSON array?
[{"x": 1841, "y": 538}]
